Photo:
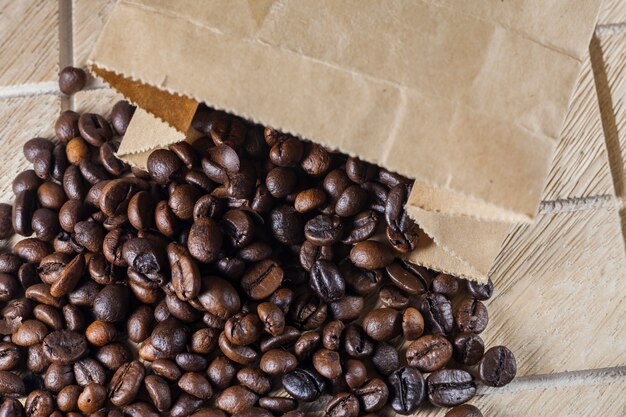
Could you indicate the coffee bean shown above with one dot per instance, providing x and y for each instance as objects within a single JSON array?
[
  {"x": 429, "y": 353},
  {"x": 77, "y": 151},
  {"x": 385, "y": 358},
  {"x": 67, "y": 398},
  {"x": 326, "y": 281},
  {"x": 289, "y": 335},
  {"x": 159, "y": 392},
  {"x": 111, "y": 303},
  {"x": 342, "y": 404},
  {"x": 468, "y": 348},
  {"x": 286, "y": 225},
  {"x": 262, "y": 279},
  {"x": 362, "y": 281},
  {"x": 309, "y": 200},
  {"x": 11, "y": 385},
  {"x": 255, "y": 380},
  {"x": 280, "y": 182},
  {"x": 235, "y": 399},
  {"x": 195, "y": 384},
  {"x": 403, "y": 234},
  {"x": 324, "y": 230},
  {"x": 437, "y": 312},
  {"x": 278, "y": 362},
  {"x": 471, "y": 316},
  {"x": 347, "y": 309},
  {"x": 406, "y": 389},
  {"x": 327, "y": 363},
  {"x": 316, "y": 160},
  {"x": 243, "y": 329},
  {"x": 23, "y": 209},
  {"x": 9, "y": 287},
  {"x": 37, "y": 147},
  {"x": 445, "y": 284},
  {"x": 497, "y": 367},
  {"x": 465, "y": 410},
  {"x": 89, "y": 371},
  {"x": 121, "y": 114},
  {"x": 92, "y": 398},
  {"x": 58, "y": 376},
  {"x": 6, "y": 225},
  {"x": 370, "y": 254},
  {"x": 278, "y": 404},
  {"x": 9, "y": 356},
  {"x": 39, "y": 403},
  {"x": 126, "y": 382},
  {"x": 141, "y": 409},
  {"x": 392, "y": 297},
  {"x": 141, "y": 210},
  {"x": 29, "y": 333},
  {"x": 351, "y": 201},
  {"x": 218, "y": 297},
  {"x": 303, "y": 384},
  {"x": 480, "y": 292},
  {"x": 363, "y": 226},
  {"x": 205, "y": 240},
  {"x": 64, "y": 346},
  {"x": 383, "y": 324},
  {"x": 72, "y": 80},
  {"x": 450, "y": 387},
  {"x": 94, "y": 129},
  {"x": 25, "y": 180},
  {"x": 243, "y": 355},
  {"x": 373, "y": 395},
  {"x": 357, "y": 343},
  {"x": 163, "y": 165},
  {"x": 166, "y": 368}
]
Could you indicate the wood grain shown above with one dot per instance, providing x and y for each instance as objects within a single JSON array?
[
  {"x": 612, "y": 12},
  {"x": 96, "y": 101},
  {"x": 29, "y": 42},
  {"x": 560, "y": 293},
  {"x": 22, "y": 118}
]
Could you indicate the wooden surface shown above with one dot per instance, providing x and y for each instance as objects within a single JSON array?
[{"x": 560, "y": 283}]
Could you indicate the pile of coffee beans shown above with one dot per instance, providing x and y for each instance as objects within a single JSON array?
[{"x": 245, "y": 274}]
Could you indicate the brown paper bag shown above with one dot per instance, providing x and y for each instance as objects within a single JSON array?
[{"x": 466, "y": 97}]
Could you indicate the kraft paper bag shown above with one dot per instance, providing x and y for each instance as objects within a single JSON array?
[{"x": 466, "y": 97}]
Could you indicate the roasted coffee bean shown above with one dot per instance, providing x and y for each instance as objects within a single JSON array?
[
  {"x": 111, "y": 303},
  {"x": 278, "y": 362},
  {"x": 89, "y": 235},
  {"x": 218, "y": 297},
  {"x": 343, "y": 404},
  {"x": 159, "y": 392},
  {"x": 67, "y": 398},
  {"x": 324, "y": 230},
  {"x": 66, "y": 126},
  {"x": 371, "y": 254},
  {"x": 331, "y": 335},
  {"x": 48, "y": 315},
  {"x": 41, "y": 294},
  {"x": 93, "y": 397},
  {"x": 195, "y": 384},
  {"x": 395, "y": 202},
  {"x": 326, "y": 281},
  {"x": 88, "y": 371},
  {"x": 445, "y": 284},
  {"x": 45, "y": 224},
  {"x": 280, "y": 182},
  {"x": 497, "y": 367},
  {"x": 468, "y": 348},
  {"x": 11, "y": 385},
  {"x": 286, "y": 225},
  {"x": 185, "y": 405},
  {"x": 403, "y": 234},
  {"x": 141, "y": 210},
  {"x": 39, "y": 403},
  {"x": 221, "y": 372},
  {"x": 362, "y": 281},
  {"x": 141, "y": 409},
  {"x": 8, "y": 287},
  {"x": 465, "y": 410},
  {"x": 191, "y": 362},
  {"x": 357, "y": 343},
  {"x": 71, "y": 213},
  {"x": 74, "y": 317},
  {"x": 288, "y": 336},
  {"x": 77, "y": 151},
  {"x": 437, "y": 312},
  {"x": 72, "y": 80},
  {"x": 182, "y": 200},
  {"x": 121, "y": 113},
  {"x": 355, "y": 373},
  {"x": 287, "y": 152},
  {"x": 6, "y": 225},
  {"x": 278, "y": 404},
  {"x": 64, "y": 346},
  {"x": 303, "y": 384},
  {"x": 59, "y": 162},
  {"x": 373, "y": 395},
  {"x": 100, "y": 333},
  {"x": 412, "y": 323},
  {"x": 243, "y": 329},
  {"x": 310, "y": 253},
  {"x": 309, "y": 200},
  {"x": 166, "y": 368},
  {"x": 335, "y": 182},
  {"x": 25, "y": 180},
  {"x": 348, "y": 308},
  {"x": 51, "y": 195},
  {"x": 235, "y": 399},
  {"x": 480, "y": 292},
  {"x": 316, "y": 160},
  {"x": 205, "y": 240},
  {"x": 429, "y": 353},
  {"x": 208, "y": 206},
  {"x": 85, "y": 294},
  {"x": 126, "y": 382},
  {"x": 306, "y": 344},
  {"x": 94, "y": 129},
  {"x": 9, "y": 356},
  {"x": 327, "y": 363},
  {"x": 351, "y": 201},
  {"x": 163, "y": 166},
  {"x": 450, "y": 387},
  {"x": 392, "y": 297},
  {"x": 36, "y": 361},
  {"x": 36, "y": 147},
  {"x": 262, "y": 279},
  {"x": 23, "y": 209},
  {"x": 29, "y": 333},
  {"x": 406, "y": 389},
  {"x": 383, "y": 324},
  {"x": 255, "y": 252},
  {"x": 471, "y": 316},
  {"x": 363, "y": 226},
  {"x": 244, "y": 355},
  {"x": 255, "y": 380},
  {"x": 385, "y": 358}
]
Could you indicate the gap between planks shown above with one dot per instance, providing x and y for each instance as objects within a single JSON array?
[{"x": 66, "y": 46}]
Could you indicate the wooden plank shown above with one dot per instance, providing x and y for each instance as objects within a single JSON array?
[
  {"x": 30, "y": 42},
  {"x": 612, "y": 12},
  {"x": 580, "y": 167},
  {"x": 96, "y": 101},
  {"x": 22, "y": 118},
  {"x": 560, "y": 293}
]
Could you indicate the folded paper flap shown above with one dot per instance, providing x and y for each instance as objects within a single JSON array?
[
  {"x": 142, "y": 129},
  {"x": 460, "y": 235}
]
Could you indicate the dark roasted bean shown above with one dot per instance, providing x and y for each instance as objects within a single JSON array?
[
  {"x": 450, "y": 387},
  {"x": 497, "y": 367},
  {"x": 406, "y": 389}
]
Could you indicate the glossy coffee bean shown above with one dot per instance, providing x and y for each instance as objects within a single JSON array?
[
  {"x": 429, "y": 353},
  {"x": 497, "y": 367},
  {"x": 343, "y": 404},
  {"x": 255, "y": 380},
  {"x": 371, "y": 254},
  {"x": 39, "y": 403},
  {"x": 407, "y": 390},
  {"x": 126, "y": 382},
  {"x": 93, "y": 397},
  {"x": 235, "y": 399},
  {"x": 437, "y": 312},
  {"x": 471, "y": 316},
  {"x": 278, "y": 362},
  {"x": 23, "y": 209},
  {"x": 373, "y": 395},
  {"x": 303, "y": 384},
  {"x": 383, "y": 324},
  {"x": 159, "y": 392},
  {"x": 286, "y": 225},
  {"x": 326, "y": 281},
  {"x": 324, "y": 230},
  {"x": 445, "y": 284},
  {"x": 205, "y": 240},
  {"x": 465, "y": 410},
  {"x": 121, "y": 114},
  {"x": 262, "y": 279},
  {"x": 385, "y": 358},
  {"x": 480, "y": 292},
  {"x": 450, "y": 387},
  {"x": 195, "y": 384},
  {"x": 72, "y": 80},
  {"x": 89, "y": 371}
]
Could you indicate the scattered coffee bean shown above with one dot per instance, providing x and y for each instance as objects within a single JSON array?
[
  {"x": 72, "y": 80},
  {"x": 497, "y": 367}
]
